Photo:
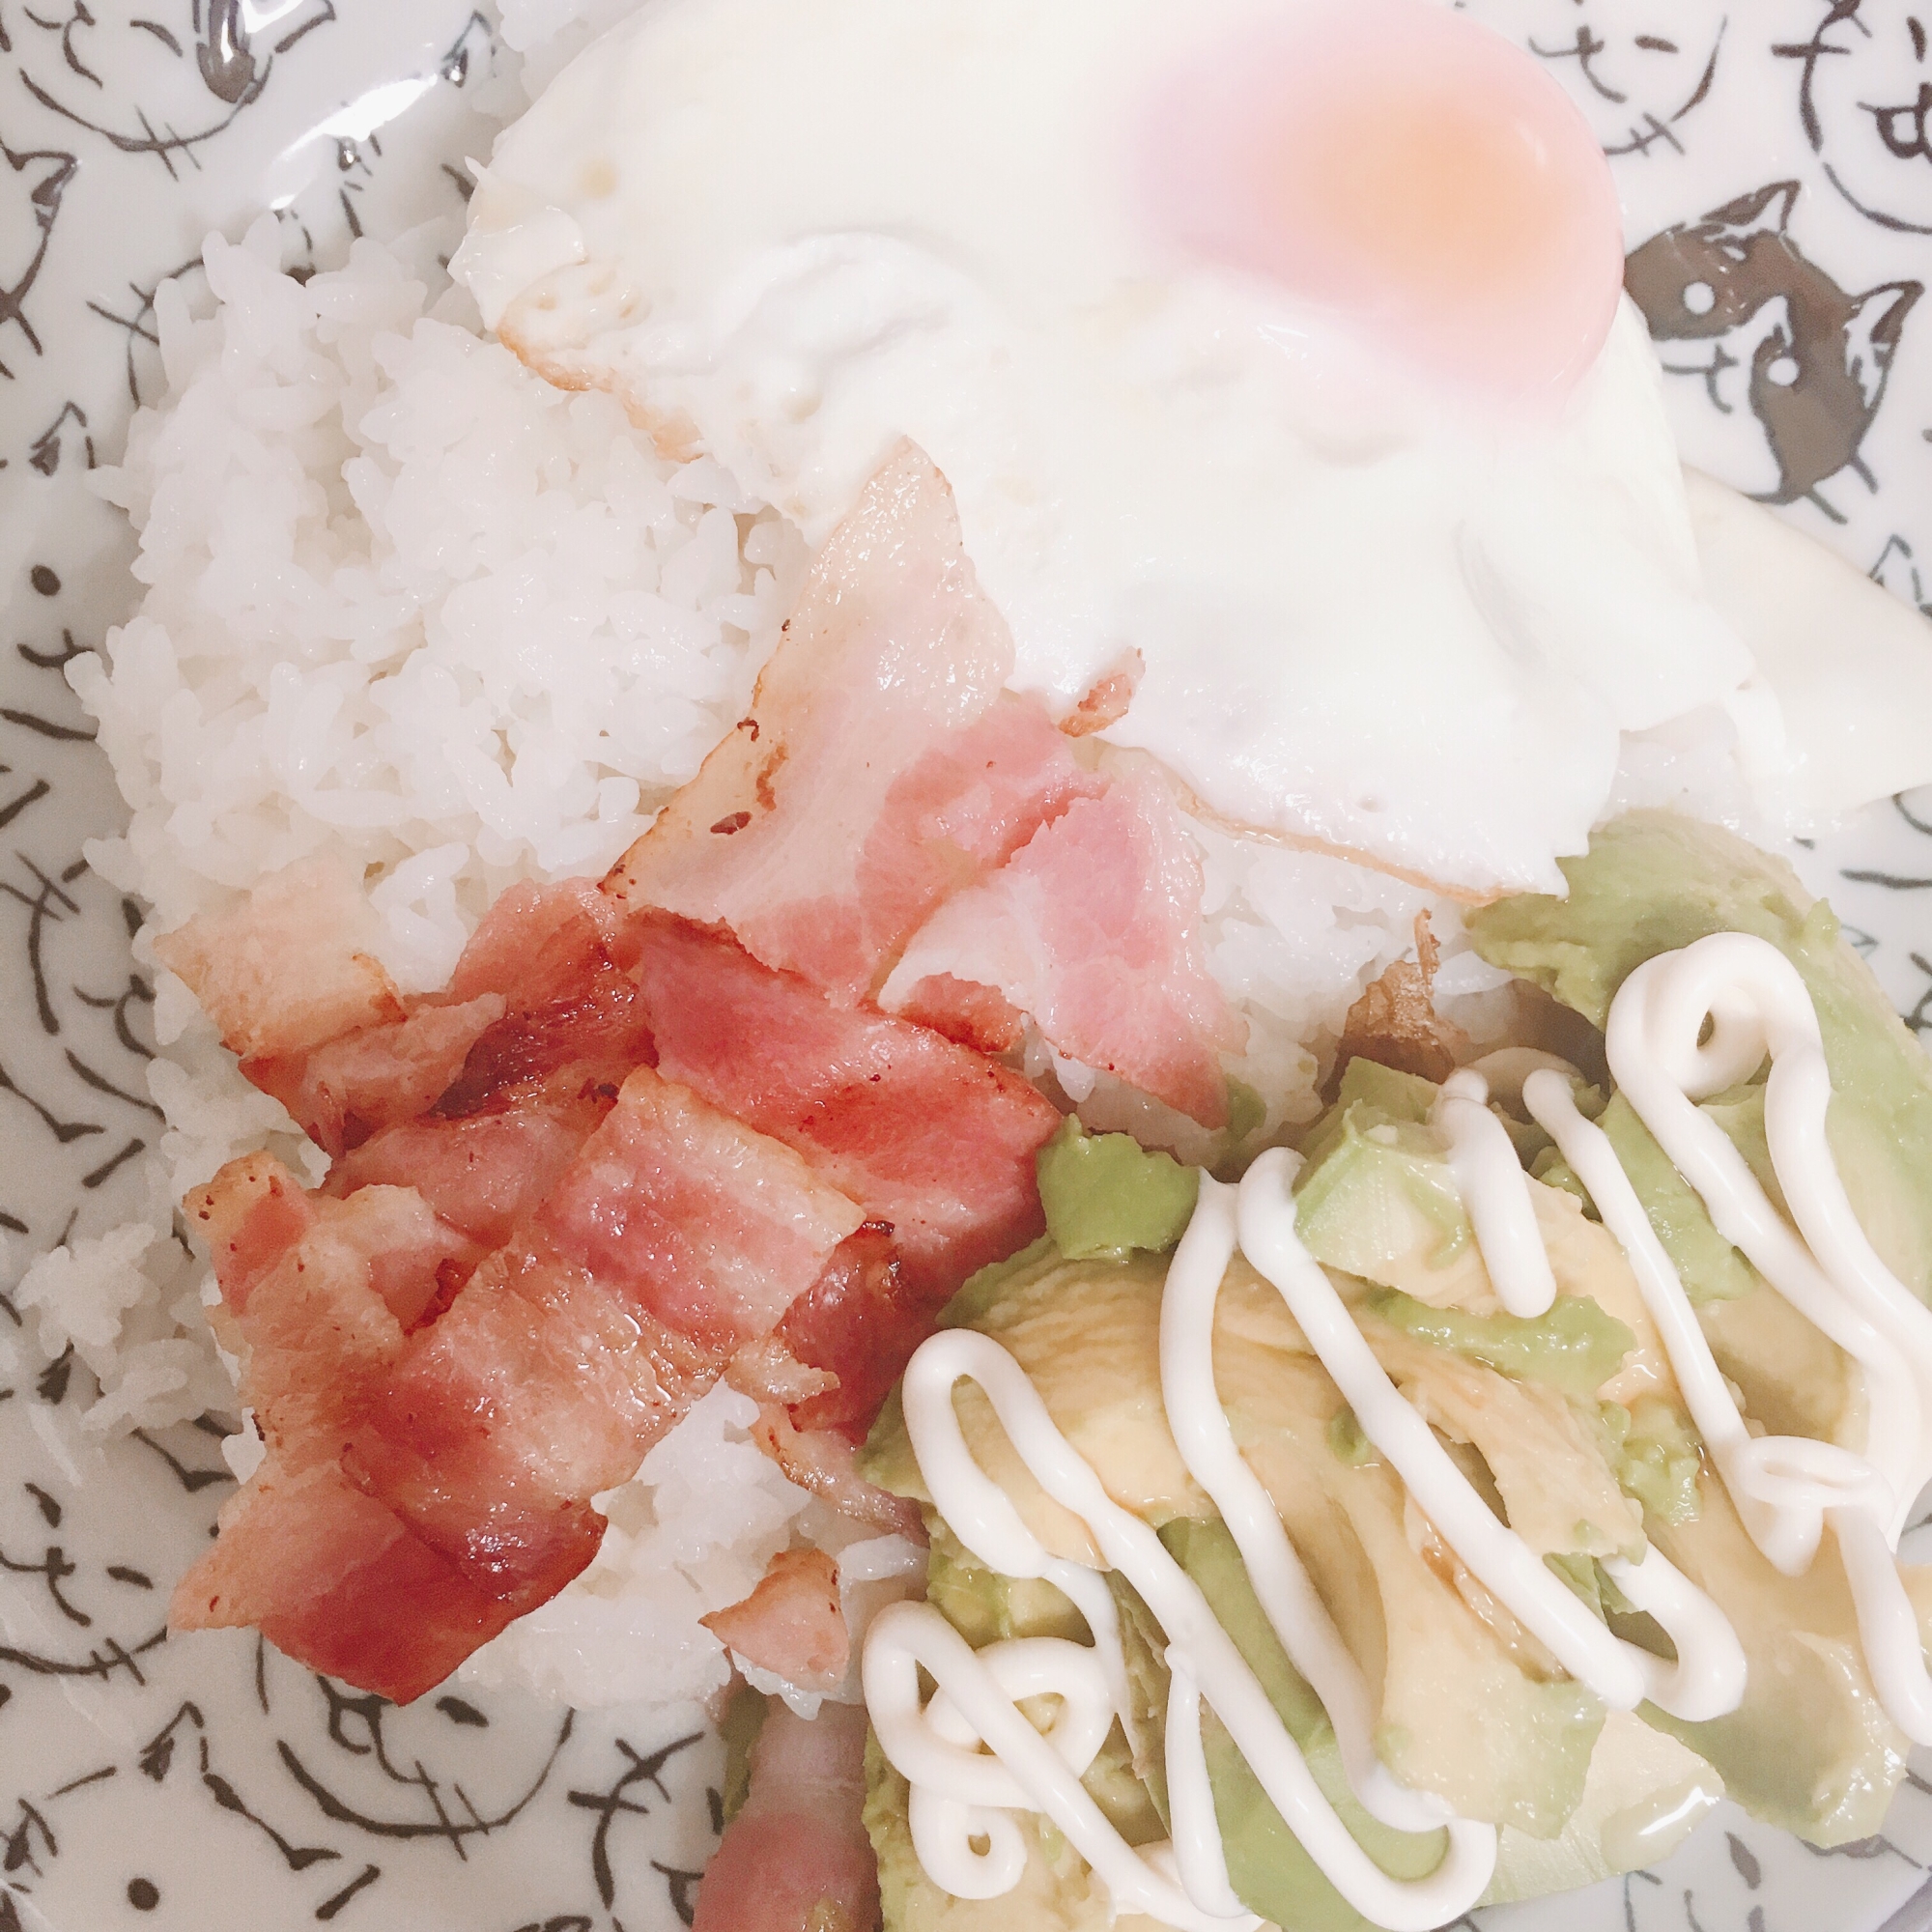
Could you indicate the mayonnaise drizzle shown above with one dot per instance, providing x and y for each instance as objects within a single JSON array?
[
  {"x": 907, "y": 1636},
  {"x": 1787, "y": 1490},
  {"x": 1488, "y": 1177},
  {"x": 1709, "y": 1676}
]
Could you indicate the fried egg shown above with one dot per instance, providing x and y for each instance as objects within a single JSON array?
[{"x": 1275, "y": 353}]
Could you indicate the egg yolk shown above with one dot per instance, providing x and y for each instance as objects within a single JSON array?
[{"x": 1406, "y": 171}]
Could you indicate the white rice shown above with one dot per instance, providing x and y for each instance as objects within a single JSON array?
[{"x": 408, "y": 604}]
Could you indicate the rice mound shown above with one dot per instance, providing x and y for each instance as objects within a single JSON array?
[{"x": 406, "y": 603}]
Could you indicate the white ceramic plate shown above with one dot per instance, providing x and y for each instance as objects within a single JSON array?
[{"x": 212, "y": 1783}]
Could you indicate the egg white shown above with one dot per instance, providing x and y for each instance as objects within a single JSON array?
[{"x": 1368, "y": 612}]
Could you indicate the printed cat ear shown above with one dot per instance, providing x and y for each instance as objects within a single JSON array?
[
  {"x": 1763, "y": 211},
  {"x": 1871, "y": 334}
]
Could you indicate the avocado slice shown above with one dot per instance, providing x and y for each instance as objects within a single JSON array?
[
  {"x": 1269, "y": 1870},
  {"x": 1106, "y": 1195},
  {"x": 1652, "y": 882},
  {"x": 1810, "y": 1749},
  {"x": 1574, "y": 1346},
  {"x": 1377, "y": 1200},
  {"x": 1461, "y": 1714}
]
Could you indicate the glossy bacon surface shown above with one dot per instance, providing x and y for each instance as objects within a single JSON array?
[
  {"x": 792, "y": 1623},
  {"x": 1093, "y": 929},
  {"x": 329, "y": 1575},
  {"x": 290, "y": 966},
  {"x": 879, "y": 767},
  {"x": 485, "y": 1173},
  {"x": 925, "y": 1134},
  {"x": 859, "y": 1323},
  {"x": 711, "y": 1229}
]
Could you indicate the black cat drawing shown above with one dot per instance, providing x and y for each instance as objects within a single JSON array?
[{"x": 1793, "y": 365}]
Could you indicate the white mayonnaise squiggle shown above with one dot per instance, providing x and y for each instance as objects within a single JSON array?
[
  {"x": 1787, "y": 1490},
  {"x": 1708, "y": 1678},
  {"x": 1188, "y": 1886},
  {"x": 1488, "y": 1177}
]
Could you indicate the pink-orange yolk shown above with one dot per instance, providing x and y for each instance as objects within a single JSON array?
[{"x": 1408, "y": 172}]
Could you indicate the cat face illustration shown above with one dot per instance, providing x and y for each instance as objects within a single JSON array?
[
  {"x": 159, "y": 76},
  {"x": 1793, "y": 366},
  {"x": 1865, "y": 100},
  {"x": 31, "y": 188},
  {"x": 1638, "y": 74}
]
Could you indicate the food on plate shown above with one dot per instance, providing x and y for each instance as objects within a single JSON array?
[
  {"x": 984, "y": 1006},
  {"x": 1431, "y": 1523},
  {"x": 1273, "y": 353}
]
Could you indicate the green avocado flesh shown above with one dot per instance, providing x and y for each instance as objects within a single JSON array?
[
  {"x": 1653, "y": 882},
  {"x": 1569, "y": 1426},
  {"x": 1271, "y": 1872},
  {"x": 1104, "y": 1194},
  {"x": 1576, "y": 1347}
]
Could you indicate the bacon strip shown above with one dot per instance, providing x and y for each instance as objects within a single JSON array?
[
  {"x": 792, "y": 1623},
  {"x": 487, "y": 1173},
  {"x": 290, "y": 966},
  {"x": 711, "y": 1229},
  {"x": 331, "y": 1577},
  {"x": 925, "y": 1135},
  {"x": 858, "y": 1324},
  {"x": 676, "y": 1234},
  {"x": 1093, "y": 929},
  {"x": 797, "y": 1858},
  {"x": 316, "y": 1295},
  {"x": 499, "y": 1422},
  {"x": 345, "y": 1090},
  {"x": 879, "y": 766}
]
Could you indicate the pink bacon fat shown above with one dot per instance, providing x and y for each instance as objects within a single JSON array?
[
  {"x": 1093, "y": 928},
  {"x": 290, "y": 967},
  {"x": 485, "y": 1433},
  {"x": 797, "y": 1855},
  {"x": 925, "y": 1134},
  {"x": 792, "y": 1623},
  {"x": 881, "y": 766}
]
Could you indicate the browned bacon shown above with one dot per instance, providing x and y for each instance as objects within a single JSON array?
[
  {"x": 345, "y": 1090},
  {"x": 249, "y": 1215},
  {"x": 797, "y": 1858},
  {"x": 539, "y": 944},
  {"x": 554, "y": 956},
  {"x": 711, "y": 1228},
  {"x": 449, "y": 1453},
  {"x": 1093, "y": 929},
  {"x": 502, "y": 1420},
  {"x": 635, "y": 1136},
  {"x": 675, "y": 1236},
  {"x": 824, "y": 1461},
  {"x": 924, "y": 1134},
  {"x": 858, "y": 1323},
  {"x": 485, "y": 1173},
  {"x": 792, "y": 1623},
  {"x": 879, "y": 767},
  {"x": 316, "y": 1295},
  {"x": 329, "y": 1575}
]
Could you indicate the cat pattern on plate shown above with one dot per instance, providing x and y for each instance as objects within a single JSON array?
[
  {"x": 1639, "y": 73},
  {"x": 1865, "y": 100},
  {"x": 1793, "y": 366}
]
